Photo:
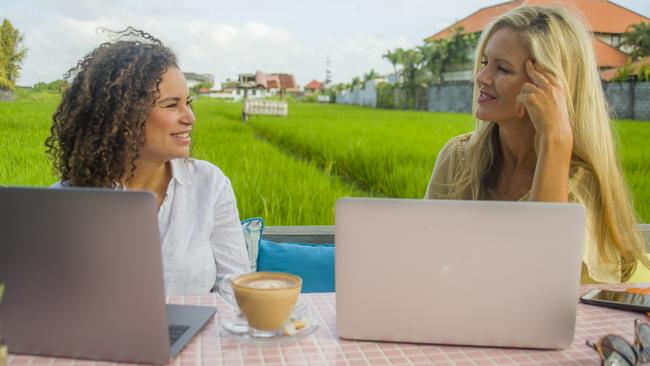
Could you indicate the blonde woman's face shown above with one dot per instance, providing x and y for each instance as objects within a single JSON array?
[
  {"x": 501, "y": 76},
  {"x": 167, "y": 130}
]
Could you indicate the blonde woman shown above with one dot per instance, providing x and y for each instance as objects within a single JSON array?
[{"x": 543, "y": 133}]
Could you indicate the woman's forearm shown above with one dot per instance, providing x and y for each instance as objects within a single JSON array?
[{"x": 551, "y": 179}]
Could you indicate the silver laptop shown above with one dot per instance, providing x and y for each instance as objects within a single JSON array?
[
  {"x": 481, "y": 273},
  {"x": 83, "y": 277}
]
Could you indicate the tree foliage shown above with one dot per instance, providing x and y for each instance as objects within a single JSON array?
[
  {"x": 632, "y": 72},
  {"x": 426, "y": 64},
  {"x": 56, "y": 86},
  {"x": 338, "y": 88},
  {"x": 12, "y": 54},
  {"x": 356, "y": 81},
  {"x": 205, "y": 84},
  {"x": 625, "y": 72},
  {"x": 637, "y": 37},
  {"x": 443, "y": 54},
  {"x": 412, "y": 73},
  {"x": 429, "y": 62},
  {"x": 370, "y": 75},
  {"x": 394, "y": 57}
]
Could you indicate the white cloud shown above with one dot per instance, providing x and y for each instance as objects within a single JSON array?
[
  {"x": 220, "y": 49},
  {"x": 225, "y": 38},
  {"x": 52, "y": 52},
  {"x": 360, "y": 53}
]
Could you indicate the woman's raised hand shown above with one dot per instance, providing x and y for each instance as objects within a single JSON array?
[{"x": 545, "y": 101}]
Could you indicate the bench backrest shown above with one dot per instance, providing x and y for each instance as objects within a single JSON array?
[
  {"x": 325, "y": 234},
  {"x": 266, "y": 107}
]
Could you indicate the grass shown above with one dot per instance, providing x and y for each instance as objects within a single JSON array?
[
  {"x": 391, "y": 153},
  {"x": 291, "y": 170},
  {"x": 267, "y": 182},
  {"x": 25, "y": 125},
  {"x": 387, "y": 153},
  {"x": 635, "y": 155}
]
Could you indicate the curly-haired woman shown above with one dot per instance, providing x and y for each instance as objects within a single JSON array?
[
  {"x": 543, "y": 134},
  {"x": 125, "y": 122}
]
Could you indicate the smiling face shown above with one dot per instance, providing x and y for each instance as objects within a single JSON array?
[
  {"x": 501, "y": 77},
  {"x": 167, "y": 130}
]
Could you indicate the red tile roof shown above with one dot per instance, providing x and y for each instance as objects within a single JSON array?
[
  {"x": 314, "y": 85},
  {"x": 273, "y": 84},
  {"x": 603, "y": 16},
  {"x": 275, "y": 81},
  {"x": 272, "y": 81},
  {"x": 608, "y": 56},
  {"x": 287, "y": 81}
]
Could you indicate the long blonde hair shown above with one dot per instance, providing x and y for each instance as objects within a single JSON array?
[{"x": 560, "y": 43}]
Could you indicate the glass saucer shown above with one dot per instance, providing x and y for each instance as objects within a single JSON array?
[{"x": 236, "y": 327}]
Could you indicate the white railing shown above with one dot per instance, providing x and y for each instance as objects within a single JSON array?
[{"x": 265, "y": 107}]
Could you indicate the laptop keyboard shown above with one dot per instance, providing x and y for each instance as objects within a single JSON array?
[{"x": 175, "y": 332}]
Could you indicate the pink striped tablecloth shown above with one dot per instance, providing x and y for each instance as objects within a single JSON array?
[{"x": 323, "y": 347}]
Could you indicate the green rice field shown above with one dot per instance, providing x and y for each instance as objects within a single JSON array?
[{"x": 292, "y": 170}]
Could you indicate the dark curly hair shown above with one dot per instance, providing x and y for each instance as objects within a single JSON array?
[{"x": 98, "y": 128}]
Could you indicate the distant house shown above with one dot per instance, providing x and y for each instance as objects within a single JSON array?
[
  {"x": 227, "y": 92},
  {"x": 194, "y": 79},
  {"x": 261, "y": 84},
  {"x": 257, "y": 85},
  {"x": 608, "y": 21},
  {"x": 313, "y": 87}
]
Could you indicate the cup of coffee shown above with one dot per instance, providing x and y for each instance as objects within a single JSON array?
[{"x": 266, "y": 299}]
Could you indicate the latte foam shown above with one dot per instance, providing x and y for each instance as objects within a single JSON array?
[{"x": 268, "y": 284}]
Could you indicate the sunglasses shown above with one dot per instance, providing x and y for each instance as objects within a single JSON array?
[{"x": 615, "y": 350}]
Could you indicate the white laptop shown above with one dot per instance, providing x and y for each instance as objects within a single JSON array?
[
  {"x": 482, "y": 273},
  {"x": 83, "y": 277}
]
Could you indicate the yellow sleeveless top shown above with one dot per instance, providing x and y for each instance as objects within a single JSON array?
[{"x": 452, "y": 157}]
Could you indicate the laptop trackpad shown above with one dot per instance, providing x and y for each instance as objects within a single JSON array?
[{"x": 184, "y": 322}]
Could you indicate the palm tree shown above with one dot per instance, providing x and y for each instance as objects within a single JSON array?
[
  {"x": 625, "y": 72},
  {"x": 643, "y": 73},
  {"x": 370, "y": 75},
  {"x": 637, "y": 37},
  {"x": 393, "y": 57},
  {"x": 355, "y": 81},
  {"x": 445, "y": 54},
  {"x": 460, "y": 46},
  {"x": 433, "y": 54},
  {"x": 412, "y": 61}
]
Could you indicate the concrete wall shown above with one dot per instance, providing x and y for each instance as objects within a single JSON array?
[
  {"x": 450, "y": 97},
  {"x": 618, "y": 95},
  {"x": 642, "y": 101},
  {"x": 627, "y": 100},
  {"x": 358, "y": 96}
]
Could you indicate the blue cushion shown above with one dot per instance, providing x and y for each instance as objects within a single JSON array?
[{"x": 313, "y": 262}]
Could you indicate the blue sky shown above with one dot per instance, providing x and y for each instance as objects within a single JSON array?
[{"x": 225, "y": 38}]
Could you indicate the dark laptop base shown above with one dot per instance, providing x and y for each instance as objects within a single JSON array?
[
  {"x": 83, "y": 277},
  {"x": 193, "y": 315}
]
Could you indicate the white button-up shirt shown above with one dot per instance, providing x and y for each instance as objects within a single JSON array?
[{"x": 200, "y": 229}]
